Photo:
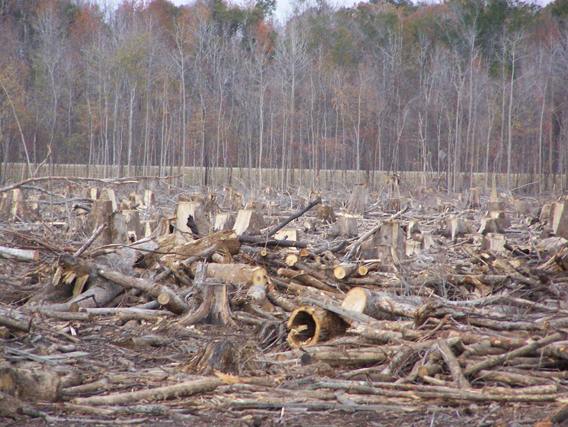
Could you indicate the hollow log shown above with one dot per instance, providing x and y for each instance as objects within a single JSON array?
[{"x": 308, "y": 326}]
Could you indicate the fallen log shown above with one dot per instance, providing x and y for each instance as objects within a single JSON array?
[
  {"x": 308, "y": 326},
  {"x": 305, "y": 279},
  {"x": 14, "y": 319},
  {"x": 380, "y": 305},
  {"x": 165, "y": 295},
  {"x": 238, "y": 273},
  {"x": 187, "y": 388},
  {"x": 19, "y": 254}
]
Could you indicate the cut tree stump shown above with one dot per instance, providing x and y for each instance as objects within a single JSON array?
[
  {"x": 308, "y": 326},
  {"x": 560, "y": 219},
  {"x": 100, "y": 214},
  {"x": 474, "y": 201},
  {"x": 494, "y": 242},
  {"x": 183, "y": 232},
  {"x": 287, "y": 234},
  {"x": 494, "y": 203},
  {"x": 345, "y": 226},
  {"x": 224, "y": 221},
  {"x": 388, "y": 244},
  {"x": 357, "y": 201},
  {"x": 455, "y": 227},
  {"x": 248, "y": 222}
]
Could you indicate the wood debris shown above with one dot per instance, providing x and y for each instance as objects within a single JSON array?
[{"x": 165, "y": 303}]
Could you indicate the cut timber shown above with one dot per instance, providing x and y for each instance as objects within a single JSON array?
[
  {"x": 238, "y": 273},
  {"x": 308, "y": 326},
  {"x": 325, "y": 213},
  {"x": 248, "y": 222},
  {"x": 455, "y": 227},
  {"x": 20, "y": 254},
  {"x": 380, "y": 305},
  {"x": 560, "y": 219},
  {"x": 14, "y": 319},
  {"x": 305, "y": 278},
  {"x": 224, "y": 221},
  {"x": 493, "y": 242},
  {"x": 474, "y": 200},
  {"x": 357, "y": 201},
  {"x": 345, "y": 226},
  {"x": 344, "y": 270},
  {"x": 291, "y": 260},
  {"x": 183, "y": 232}
]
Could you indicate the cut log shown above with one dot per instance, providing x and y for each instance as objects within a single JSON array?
[
  {"x": 20, "y": 254},
  {"x": 224, "y": 221},
  {"x": 171, "y": 300},
  {"x": 308, "y": 326},
  {"x": 358, "y": 199},
  {"x": 291, "y": 260},
  {"x": 305, "y": 279},
  {"x": 14, "y": 319},
  {"x": 344, "y": 270},
  {"x": 345, "y": 226},
  {"x": 238, "y": 273},
  {"x": 380, "y": 305},
  {"x": 248, "y": 222},
  {"x": 36, "y": 384}
]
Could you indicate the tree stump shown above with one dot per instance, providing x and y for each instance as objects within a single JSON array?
[
  {"x": 325, "y": 213},
  {"x": 183, "y": 233},
  {"x": 248, "y": 222},
  {"x": 357, "y": 201},
  {"x": 224, "y": 221},
  {"x": 345, "y": 226},
  {"x": 474, "y": 201}
]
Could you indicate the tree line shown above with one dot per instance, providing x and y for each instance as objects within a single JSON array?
[{"x": 451, "y": 89}]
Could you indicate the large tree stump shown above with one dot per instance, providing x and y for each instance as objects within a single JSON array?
[
  {"x": 224, "y": 221},
  {"x": 100, "y": 214},
  {"x": 248, "y": 222},
  {"x": 560, "y": 219},
  {"x": 387, "y": 245},
  {"x": 325, "y": 213},
  {"x": 494, "y": 203},
  {"x": 345, "y": 226},
  {"x": 183, "y": 231},
  {"x": 474, "y": 201},
  {"x": 357, "y": 201}
]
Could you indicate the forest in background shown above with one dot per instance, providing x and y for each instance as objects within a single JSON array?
[{"x": 451, "y": 89}]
